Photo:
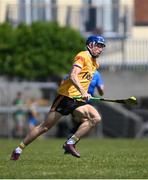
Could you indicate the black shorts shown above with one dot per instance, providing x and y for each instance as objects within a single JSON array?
[{"x": 65, "y": 105}]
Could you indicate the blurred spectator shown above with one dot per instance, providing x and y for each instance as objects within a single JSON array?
[
  {"x": 19, "y": 115},
  {"x": 33, "y": 115}
]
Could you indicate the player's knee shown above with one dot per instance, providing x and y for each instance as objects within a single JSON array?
[
  {"x": 43, "y": 128},
  {"x": 98, "y": 119},
  {"x": 94, "y": 121}
]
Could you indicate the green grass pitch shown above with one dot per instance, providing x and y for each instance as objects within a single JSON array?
[{"x": 100, "y": 159}]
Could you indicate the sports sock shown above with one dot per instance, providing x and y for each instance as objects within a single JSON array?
[
  {"x": 20, "y": 148},
  {"x": 22, "y": 145},
  {"x": 72, "y": 140}
]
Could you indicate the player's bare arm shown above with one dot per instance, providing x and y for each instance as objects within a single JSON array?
[{"x": 75, "y": 80}]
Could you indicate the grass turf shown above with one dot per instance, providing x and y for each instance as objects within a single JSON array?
[{"x": 100, "y": 159}]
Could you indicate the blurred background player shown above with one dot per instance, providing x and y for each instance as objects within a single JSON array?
[
  {"x": 19, "y": 116},
  {"x": 33, "y": 115},
  {"x": 96, "y": 83}
]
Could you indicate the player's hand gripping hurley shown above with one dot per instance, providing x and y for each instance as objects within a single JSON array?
[{"x": 129, "y": 101}]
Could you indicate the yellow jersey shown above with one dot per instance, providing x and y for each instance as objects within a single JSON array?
[{"x": 88, "y": 66}]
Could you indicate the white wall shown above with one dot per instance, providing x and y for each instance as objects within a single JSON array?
[
  {"x": 140, "y": 32},
  {"x": 74, "y": 15},
  {"x": 3, "y": 8}
]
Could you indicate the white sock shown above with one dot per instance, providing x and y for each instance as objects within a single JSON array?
[
  {"x": 70, "y": 141},
  {"x": 73, "y": 140},
  {"x": 18, "y": 150}
]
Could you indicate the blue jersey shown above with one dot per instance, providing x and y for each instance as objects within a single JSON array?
[{"x": 95, "y": 82}]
